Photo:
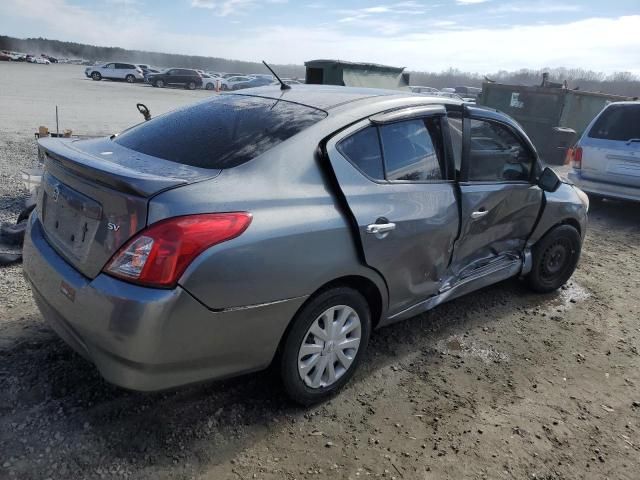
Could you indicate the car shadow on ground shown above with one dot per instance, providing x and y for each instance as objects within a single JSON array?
[
  {"x": 52, "y": 389},
  {"x": 614, "y": 213}
]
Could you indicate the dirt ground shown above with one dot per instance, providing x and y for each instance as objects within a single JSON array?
[{"x": 502, "y": 383}]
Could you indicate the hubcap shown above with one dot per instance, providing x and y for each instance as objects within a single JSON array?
[{"x": 329, "y": 347}]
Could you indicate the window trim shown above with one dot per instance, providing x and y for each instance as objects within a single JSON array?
[{"x": 466, "y": 149}]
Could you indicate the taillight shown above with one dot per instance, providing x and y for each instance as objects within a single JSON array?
[
  {"x": 576, "y": 160},
  {"x": 158, "y": 255}
]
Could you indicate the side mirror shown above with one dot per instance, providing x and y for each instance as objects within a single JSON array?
[{"x": 549, "y": 181}]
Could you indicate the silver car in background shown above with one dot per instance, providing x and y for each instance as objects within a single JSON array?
[
  {"x": 281, "y": 226},
  {"x": 606, "y": 160},
  {"x": 115, "y": 71}
]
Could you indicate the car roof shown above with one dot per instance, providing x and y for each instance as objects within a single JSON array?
[{"x": 326, "y": 97}]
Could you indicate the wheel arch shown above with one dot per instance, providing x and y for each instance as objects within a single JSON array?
[
  {"x": 365, "y": 286},
  {"x": 562, "y": 207},
  {"x": 571, "y": 222}
]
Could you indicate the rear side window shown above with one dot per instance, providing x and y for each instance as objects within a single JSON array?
[
  {"x": 363, "y": 150},
  {"x": 222, "y": 132},
  {"x": 618, "y": 122},
  {"x": 411, "y": 151}
]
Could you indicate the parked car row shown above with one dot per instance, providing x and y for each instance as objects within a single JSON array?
[
  {"x": 43, "y": 59},
  {"x": 467, "y": 94},
  {"x": 178, "y": 77}
]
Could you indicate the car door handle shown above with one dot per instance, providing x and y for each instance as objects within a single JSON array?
[
  {"x": 479, "y": 214},
  {"x": 380, "y": 228}
]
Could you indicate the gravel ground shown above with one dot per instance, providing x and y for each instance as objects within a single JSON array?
[{"x": 502, "y": 383}]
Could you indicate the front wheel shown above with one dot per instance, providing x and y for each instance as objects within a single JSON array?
[
  {"x": 209, "y": 86},
  {"x": 130, "y": 78},
  {"x": 96, "y": 76},
  {"x": 327, "y": 341},
  {"x": 555, "y": 258},
  {"x": 159, "y": 83}
]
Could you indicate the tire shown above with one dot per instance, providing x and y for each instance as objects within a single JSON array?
[
  {"x": 24, "y": 214},
  {"x": 191, "y": 86},
  {"x": 555, "y": 258},
  {"x": 13, "y": 234},
  {"x": 96, "y": 76},
  {"x": 209, "y": 86},
  {"x": 130, "y": 79},
  {"x": 159, "y": 83},
  {"x": 327, "y": 354}
]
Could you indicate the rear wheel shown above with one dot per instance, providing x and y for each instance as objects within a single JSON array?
[
  {"x": 96, "y": 76},
  {"x": 191, "y": 85},
  {"x": 130, "y": 78},
  {"x": 555, "y": 258},
  {"x": 327, "y": 341}
]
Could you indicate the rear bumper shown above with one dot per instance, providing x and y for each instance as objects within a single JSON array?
[
  {"x": 149, "y": 339},
  {"x": 604, "y": 189}
]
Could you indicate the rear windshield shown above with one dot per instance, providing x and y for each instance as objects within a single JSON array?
[
  {"x": 618, "y": 122},
  {"x": 223, "y": 132}
]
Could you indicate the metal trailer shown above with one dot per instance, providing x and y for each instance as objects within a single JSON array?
[
  {"x": 352, "y": 74},
  {"x": 552, "y": 117}
]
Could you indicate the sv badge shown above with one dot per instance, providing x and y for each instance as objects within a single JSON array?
[{"x": 113, "y": 227}]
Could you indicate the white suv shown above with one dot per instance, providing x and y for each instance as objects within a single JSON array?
[
  {"x": 115, "y": 71},
  {"x": 606, "y": 159}
]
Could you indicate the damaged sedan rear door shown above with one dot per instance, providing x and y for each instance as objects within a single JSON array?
[{"x": 394, "y": 172}]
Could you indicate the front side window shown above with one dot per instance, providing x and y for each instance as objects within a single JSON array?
[
  {"x": 496, "y": 154},
  {"x": 412, "y": 150},
  {"x": 110, "y": 65}
]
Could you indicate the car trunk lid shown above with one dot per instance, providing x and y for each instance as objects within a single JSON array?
[{"x": 95, "y": 194}]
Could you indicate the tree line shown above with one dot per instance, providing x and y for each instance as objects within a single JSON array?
[{"x": 618, "y": 83}]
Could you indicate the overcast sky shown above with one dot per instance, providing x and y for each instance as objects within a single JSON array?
[{"x": 472, "y": 35}]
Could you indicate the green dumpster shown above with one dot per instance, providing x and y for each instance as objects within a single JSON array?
[{"x": 552, "y": 117}]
